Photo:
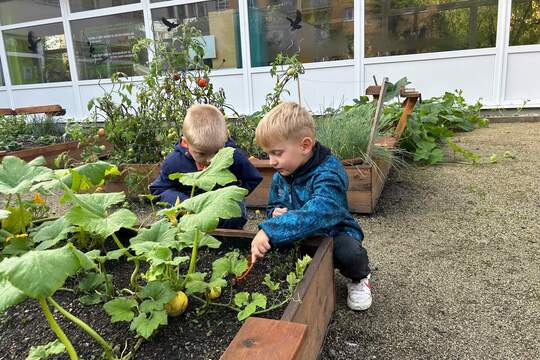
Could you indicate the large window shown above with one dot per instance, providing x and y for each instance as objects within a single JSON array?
[
  {"x": 217, "y": 20},
  {"x": 37, "y": 54},
  {"x": 525, "y": 23},
  {"x": 395, "y": 27},
  {"x": 82, "y": 5},
  {"x": 16, "y": 11},
  {"x": 103, "y": 45},
  {"x": 320, "y": 30}
]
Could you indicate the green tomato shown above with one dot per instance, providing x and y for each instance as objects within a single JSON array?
[
  {"x": 291, "y": 71},
  {"x": 102, "y": 147}
]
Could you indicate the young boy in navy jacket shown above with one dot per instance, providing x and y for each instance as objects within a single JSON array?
[
  {"x": 308, "y": 197},
  {"x": 204, "y": 134}
]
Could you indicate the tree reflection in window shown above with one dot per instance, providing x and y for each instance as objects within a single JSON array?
[
  {"x": 395, "y": 27},
  {"x": 525, "y": 22},
  {"x": 320, "y": 30}
]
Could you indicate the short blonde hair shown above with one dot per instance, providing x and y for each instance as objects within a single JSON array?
[
  {"x": 204, "y": 128},
  {"x": 287, "y": 121}
]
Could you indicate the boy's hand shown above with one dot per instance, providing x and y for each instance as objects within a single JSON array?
[
  {"x": 259, "y": 246},
  {"x": 279, "y": 211}
]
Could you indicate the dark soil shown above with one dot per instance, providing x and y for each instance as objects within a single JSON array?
[{"x": 189, "y": 336}]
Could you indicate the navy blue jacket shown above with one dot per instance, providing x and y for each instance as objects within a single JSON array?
[
  {"x": 316, "y": 198},
  {"x": 181, "y": 161}
]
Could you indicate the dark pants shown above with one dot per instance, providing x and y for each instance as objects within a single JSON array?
[
  {"x": 350, "y": 257},
  {"x": 235, "y": 223}
]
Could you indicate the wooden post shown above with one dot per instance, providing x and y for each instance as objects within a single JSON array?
[{"x": 378, "y": 113}]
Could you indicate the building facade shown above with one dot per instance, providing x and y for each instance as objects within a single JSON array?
[{"x": 64, "y": 51}]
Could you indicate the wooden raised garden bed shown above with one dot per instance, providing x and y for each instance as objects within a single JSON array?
[
  {"x": 366, "y": 181},
  {"x": 300, "y": 332},
  {"x": 50, "y": 152},
  {"x": 134, "y": 179}
]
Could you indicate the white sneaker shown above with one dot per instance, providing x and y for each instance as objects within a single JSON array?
[{"x": 360, "y": 294}]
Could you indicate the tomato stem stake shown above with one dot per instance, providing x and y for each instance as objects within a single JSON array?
[
  {"x": 58, "y": 330},
  {"x": 104, "y": 344}
]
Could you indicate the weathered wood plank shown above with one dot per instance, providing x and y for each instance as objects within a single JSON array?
[
  {"x": 266, "y": 339},
  {"x": 42, "y": 109},
  {"x": 317, "y": 301},
  {"x": 7, "y": 111}
]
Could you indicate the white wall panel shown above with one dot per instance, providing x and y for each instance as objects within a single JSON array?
[
  {"x": 234, "y": 88},
  {"x": 63, "y": 96},
  {"x": 472, "y": 74},
  {"x": 523, "y": 77},
  {"x": 4, "y": 100},
  {"x": 319, "y": 88}
]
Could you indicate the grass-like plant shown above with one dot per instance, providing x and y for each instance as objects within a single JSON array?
[{"x": 347, "y": 133}]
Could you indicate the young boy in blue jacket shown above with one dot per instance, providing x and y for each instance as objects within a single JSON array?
[
  {"x": 204, "y": 133},
  {"x": 308, "y": 196}
]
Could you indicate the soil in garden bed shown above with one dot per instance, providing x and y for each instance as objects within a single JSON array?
[{"x": 189, "y": 336}]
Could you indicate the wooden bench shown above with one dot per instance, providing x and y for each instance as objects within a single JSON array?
[{"x": 50, "y": 110}]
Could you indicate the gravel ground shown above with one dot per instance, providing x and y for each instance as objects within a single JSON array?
[{"x": 455, "y": 254}]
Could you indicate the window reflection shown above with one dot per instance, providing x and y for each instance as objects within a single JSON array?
[
  {"x": 37, "y": 54},
  {"x": 83, "y": 5},
  {"x": 103, "y": 45},
  {"x": 525, "y": 22},
  {"x": 321, "y": 30},
  {"x": 217, "y": 20},
  {"x": 16, "y": 11},
  {"x": 394, "y": 27}
]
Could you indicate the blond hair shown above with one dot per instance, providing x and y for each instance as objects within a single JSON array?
[
  {"x": 204, "y": 128},
  {"x": 287, "y": 121}
]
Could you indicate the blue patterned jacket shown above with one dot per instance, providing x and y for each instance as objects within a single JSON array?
[{"x": 316, "y": 198}]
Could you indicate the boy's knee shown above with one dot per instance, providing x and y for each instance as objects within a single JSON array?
[{"x": 347, "y": 249}]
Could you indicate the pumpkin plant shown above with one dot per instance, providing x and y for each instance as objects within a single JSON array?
[
  {"x": 16, "y": 179},
  {"x": 38, "y": 274},
  {"x": 172, "y": 278}
]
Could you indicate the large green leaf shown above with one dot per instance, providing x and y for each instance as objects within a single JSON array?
[
  {"x": 17, "y": 221},
  {"x": 51, "y": 232},
  {"x": 17, "y": 176},
  {"x": 39, "y": 273},
  {"x": 104, "y": 226},
  {"x": 209, "y": 207},
  {"x": 82, "y": 177},
  {"x": 121, "y": 309},
  {"x": 217, "y": 173},
  {"x": 231, "y": 263},
  {"x": 186, "y": 239},
  {"x": 160, "y": 234},
  {"x": 147, "y": 322},
  {"x": 9, "y": 295}
]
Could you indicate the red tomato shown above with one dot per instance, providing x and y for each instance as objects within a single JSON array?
[{"x": 202, "y": 82}]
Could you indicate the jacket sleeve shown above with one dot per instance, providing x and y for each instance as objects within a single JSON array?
[
  {"x": 322, "y": 211},
  {"x": 166, "y": 189},
  {"x": 273, "y": 199},
  {"x": 247, "y": 174}
]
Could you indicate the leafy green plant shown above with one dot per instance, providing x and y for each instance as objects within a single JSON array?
[
  {"x": 145, "y": 130},
  {"x": 38, "y": 274},
  {"x": 16, "y": 179},
  {"x": 434, "y": 121},
  {"x": 284, "y": 69},
  {"x": 347, "y": 132},
  {"x": 17, "y": 131}
]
